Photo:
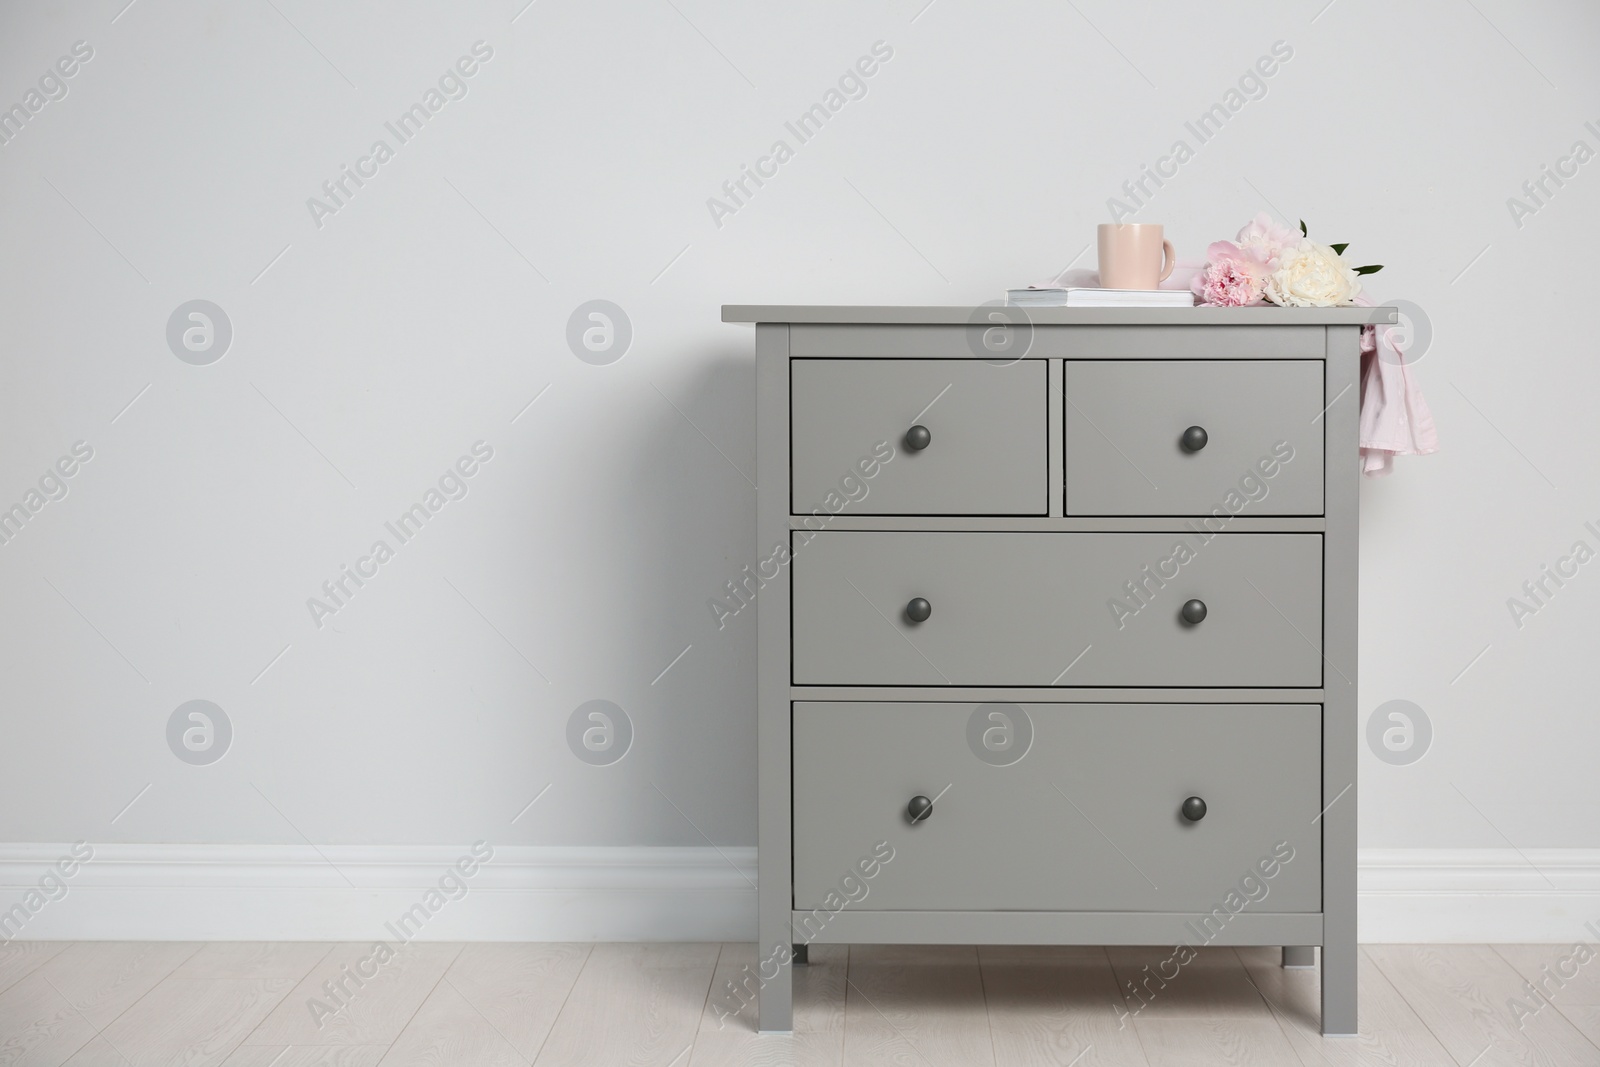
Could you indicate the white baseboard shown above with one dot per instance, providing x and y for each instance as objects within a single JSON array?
[
  {"x": 1464, "y": 895},
  {"x": 343, "y": 893}
]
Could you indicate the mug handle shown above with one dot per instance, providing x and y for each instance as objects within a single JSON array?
[{"x": 1171, "y": 258}]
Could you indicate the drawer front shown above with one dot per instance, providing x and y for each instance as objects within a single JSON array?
[
  {"x": 988, "y": 444},
  {"x": 1038, "y": 609},
  {"x": 1088, "y": 819},
  {"x": 1125, "y": 423}
]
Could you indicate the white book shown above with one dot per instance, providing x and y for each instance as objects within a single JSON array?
[{"x": 1083, "y": 297}]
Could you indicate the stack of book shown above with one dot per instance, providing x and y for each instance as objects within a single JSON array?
[{"x": 1082, "y": 297}]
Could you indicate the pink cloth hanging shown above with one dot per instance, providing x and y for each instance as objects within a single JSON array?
[{"x": 1395, "y": 420}]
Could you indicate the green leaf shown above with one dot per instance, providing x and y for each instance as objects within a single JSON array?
[
  {"x": 1303, "y": 232},
  {"x": 1369, "y": 270},
  {"x": 1338, "y": 250}
]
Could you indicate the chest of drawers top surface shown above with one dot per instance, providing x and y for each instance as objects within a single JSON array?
[{"x": 968, "y": 314}]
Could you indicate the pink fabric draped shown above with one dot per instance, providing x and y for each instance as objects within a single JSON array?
[{"x": 1395, "y": 420}]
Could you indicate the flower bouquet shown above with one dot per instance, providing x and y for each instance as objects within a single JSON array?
[{"x": 1271, "y": 264}]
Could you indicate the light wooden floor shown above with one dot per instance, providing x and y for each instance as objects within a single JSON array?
[{"x": 246, "y": 1005}]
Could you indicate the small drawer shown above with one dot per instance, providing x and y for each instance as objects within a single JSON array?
[
  {"x": 1084, "y": 810},
  {"x": 985, "y": 450},
  {"x": 1130, "y": 450},
  {"x": 1071, "y": 609}
]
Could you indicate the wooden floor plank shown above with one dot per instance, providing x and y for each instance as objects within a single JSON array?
[
  {"x": 38, "y": 1024},
  {"x": 372, "y": 1012},
  {"x": 306, "y": 1056},
  {"x": 18, "y": 959},
  {"x": 633, "y": 1004},
  {"x": 518, "y": 988},
  {"x": 1391, "y": 1034},
  {"x": 739, "y": 1047},
  {"x": 254, "y": 959},
  {"x": 1567, "y": 975},
  {"x": 103, "y": 979},
  {"x": 1464, "y": 993},
  {"x": 1585, "y": 1017},
  {"x": 1571, "y": 972},
  {"x": 1157, "y": 985},
  {"x": 1236, "y": 1041},
  {"x": 1056, "y": 1005},
  {"x": 447, "y": 1031},
  {"x": 916, "y": 1004},
  {"x": 191, "y": 1021}
]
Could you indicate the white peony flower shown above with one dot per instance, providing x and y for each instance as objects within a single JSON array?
[{"x": 1310, "y": 275}]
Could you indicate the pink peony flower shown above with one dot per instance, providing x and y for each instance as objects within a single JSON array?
[
  {"x": 1232, "y": 277},
  {"x": 1263, "y": 235}
]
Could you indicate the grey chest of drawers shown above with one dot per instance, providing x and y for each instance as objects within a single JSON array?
[{"x": 1057, "y": 630}]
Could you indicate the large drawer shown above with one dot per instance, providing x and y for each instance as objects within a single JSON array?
[
  {"x": 1262, "y": 451},
  {"x": 1020, "y": 609},
  {"x": 987, "y": 451},
  {"x": 1089, "y": 818}
]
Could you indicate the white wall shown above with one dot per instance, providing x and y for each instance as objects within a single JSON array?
[{"x": 428, "y": 312}]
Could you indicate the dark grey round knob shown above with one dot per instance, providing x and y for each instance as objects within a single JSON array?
[
  {"x": 1194, "y": 809},
  {"x": 1193, "y": 439},
  {"x": 920, "y": 808},
  {"x": 1194, "y": 612},
  {"x": 918, "y": 610},
  {"x": 918, "y": 438}
]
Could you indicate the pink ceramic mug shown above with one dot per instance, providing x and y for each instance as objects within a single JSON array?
[{"x": 1134, "y": 255}]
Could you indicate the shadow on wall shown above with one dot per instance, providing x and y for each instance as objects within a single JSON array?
[{"x": 678, "y": 683}]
